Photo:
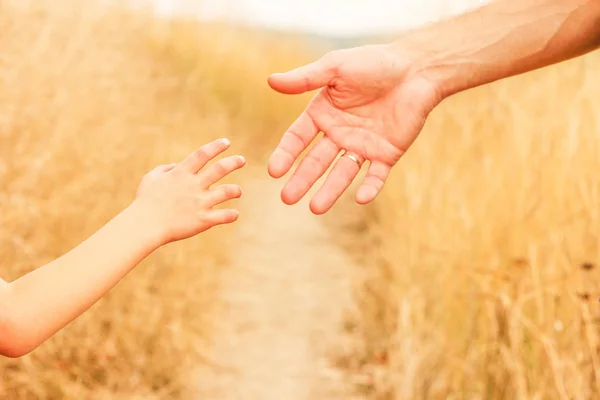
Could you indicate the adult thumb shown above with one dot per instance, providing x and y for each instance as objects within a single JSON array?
[{"x": 304, "y": 79}]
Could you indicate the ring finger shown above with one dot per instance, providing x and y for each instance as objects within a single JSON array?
[
  {"x": 311, "y": 168},
  {"x": 343, "y": 173}
]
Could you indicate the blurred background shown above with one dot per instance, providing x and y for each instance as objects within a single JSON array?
[
  {"x": 336, "y": 18},
  {"x": 473, "y": 276}
]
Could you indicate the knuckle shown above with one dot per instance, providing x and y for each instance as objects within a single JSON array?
[
  {"x": 201, "y": 155},
  {"x": 314, "y": 160},
  {"x": 296, "y": 137},
  {"x": 223, "y": 192},
  {"x": 217, "y": 145},
  {"x": 377, "y": 182},
  {"x": 221, "y": 167}
]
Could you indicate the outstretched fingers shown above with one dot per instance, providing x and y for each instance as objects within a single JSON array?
[
  {"x": 293, "y": 143},
  {"x": 199, "y": 158},
  {"x": 312, "y": 167},
  {"x": 221, "y": 169}
]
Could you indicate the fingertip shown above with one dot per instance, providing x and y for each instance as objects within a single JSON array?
[
  {"x": 366, "y": 194},
  {"x": 239, "y": 192},
  {"x": 232, "y": 216},
  {"x": 285, "y": 198},
  {"x": 275, "y": 80},
  {"x": 226, "y": 142},
  {"x": 318, "y": 208},
  {"x": 287, "y": 83},
  {"x": 272, "y": 79},
  {"x": 277, "y": 169},
  {"x": 274, "y": 172},
  {"x": 289, "y": 196}
]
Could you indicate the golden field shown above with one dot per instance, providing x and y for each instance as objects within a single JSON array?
[
  {"x": 479, "y": 263},
  {"x": 93, "y": 97}
]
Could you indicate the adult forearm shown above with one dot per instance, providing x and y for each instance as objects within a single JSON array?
[
  {"x": 502, "y": 39},
  {"x": 44, "y": 301}
]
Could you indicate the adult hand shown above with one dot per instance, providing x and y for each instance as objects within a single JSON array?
[{"x": 371, "y": 105}]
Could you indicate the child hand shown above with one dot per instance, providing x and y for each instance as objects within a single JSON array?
[{"x": 177, "y": 200}]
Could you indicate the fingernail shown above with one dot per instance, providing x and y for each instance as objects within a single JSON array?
[
  {"x": 226, "y": 141},
  {"x": 243, "y": 159}
]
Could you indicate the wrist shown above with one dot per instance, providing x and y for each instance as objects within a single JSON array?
[
  {"x": 142, "y": 223},
  {"x": 425, "y": 64}
]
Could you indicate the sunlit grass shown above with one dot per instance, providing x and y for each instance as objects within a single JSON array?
[
  {"x": 483, "y": 251},
  {"x": 480, "y": 276},
  {"x": 93, "y": 97}
]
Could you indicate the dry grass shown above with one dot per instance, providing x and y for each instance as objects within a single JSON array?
[
  {"x": 92, "y": 98},
  {"x": 482, "y": 263},
  {"x": 481, "y": 256}
]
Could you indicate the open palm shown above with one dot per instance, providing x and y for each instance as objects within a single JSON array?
[{"x": 367, "y": 106}]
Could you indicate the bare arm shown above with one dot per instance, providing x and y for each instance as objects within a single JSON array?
[
  {"x": 502, "y": 39},
  {"x": 44, "y": 301},
  {"x": 173, "y": 203}
]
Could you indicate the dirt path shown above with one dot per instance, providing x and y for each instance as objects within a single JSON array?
[{"x": 282, "y": 301}]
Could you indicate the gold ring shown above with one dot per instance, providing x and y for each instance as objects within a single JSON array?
[{"x": 353, "y": 158}]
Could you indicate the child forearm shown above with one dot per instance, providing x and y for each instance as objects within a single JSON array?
[
  {"x": 173, "y": 202},
  {"x": 502, "y": 39},
  {"x": 36, "y": 306}
]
